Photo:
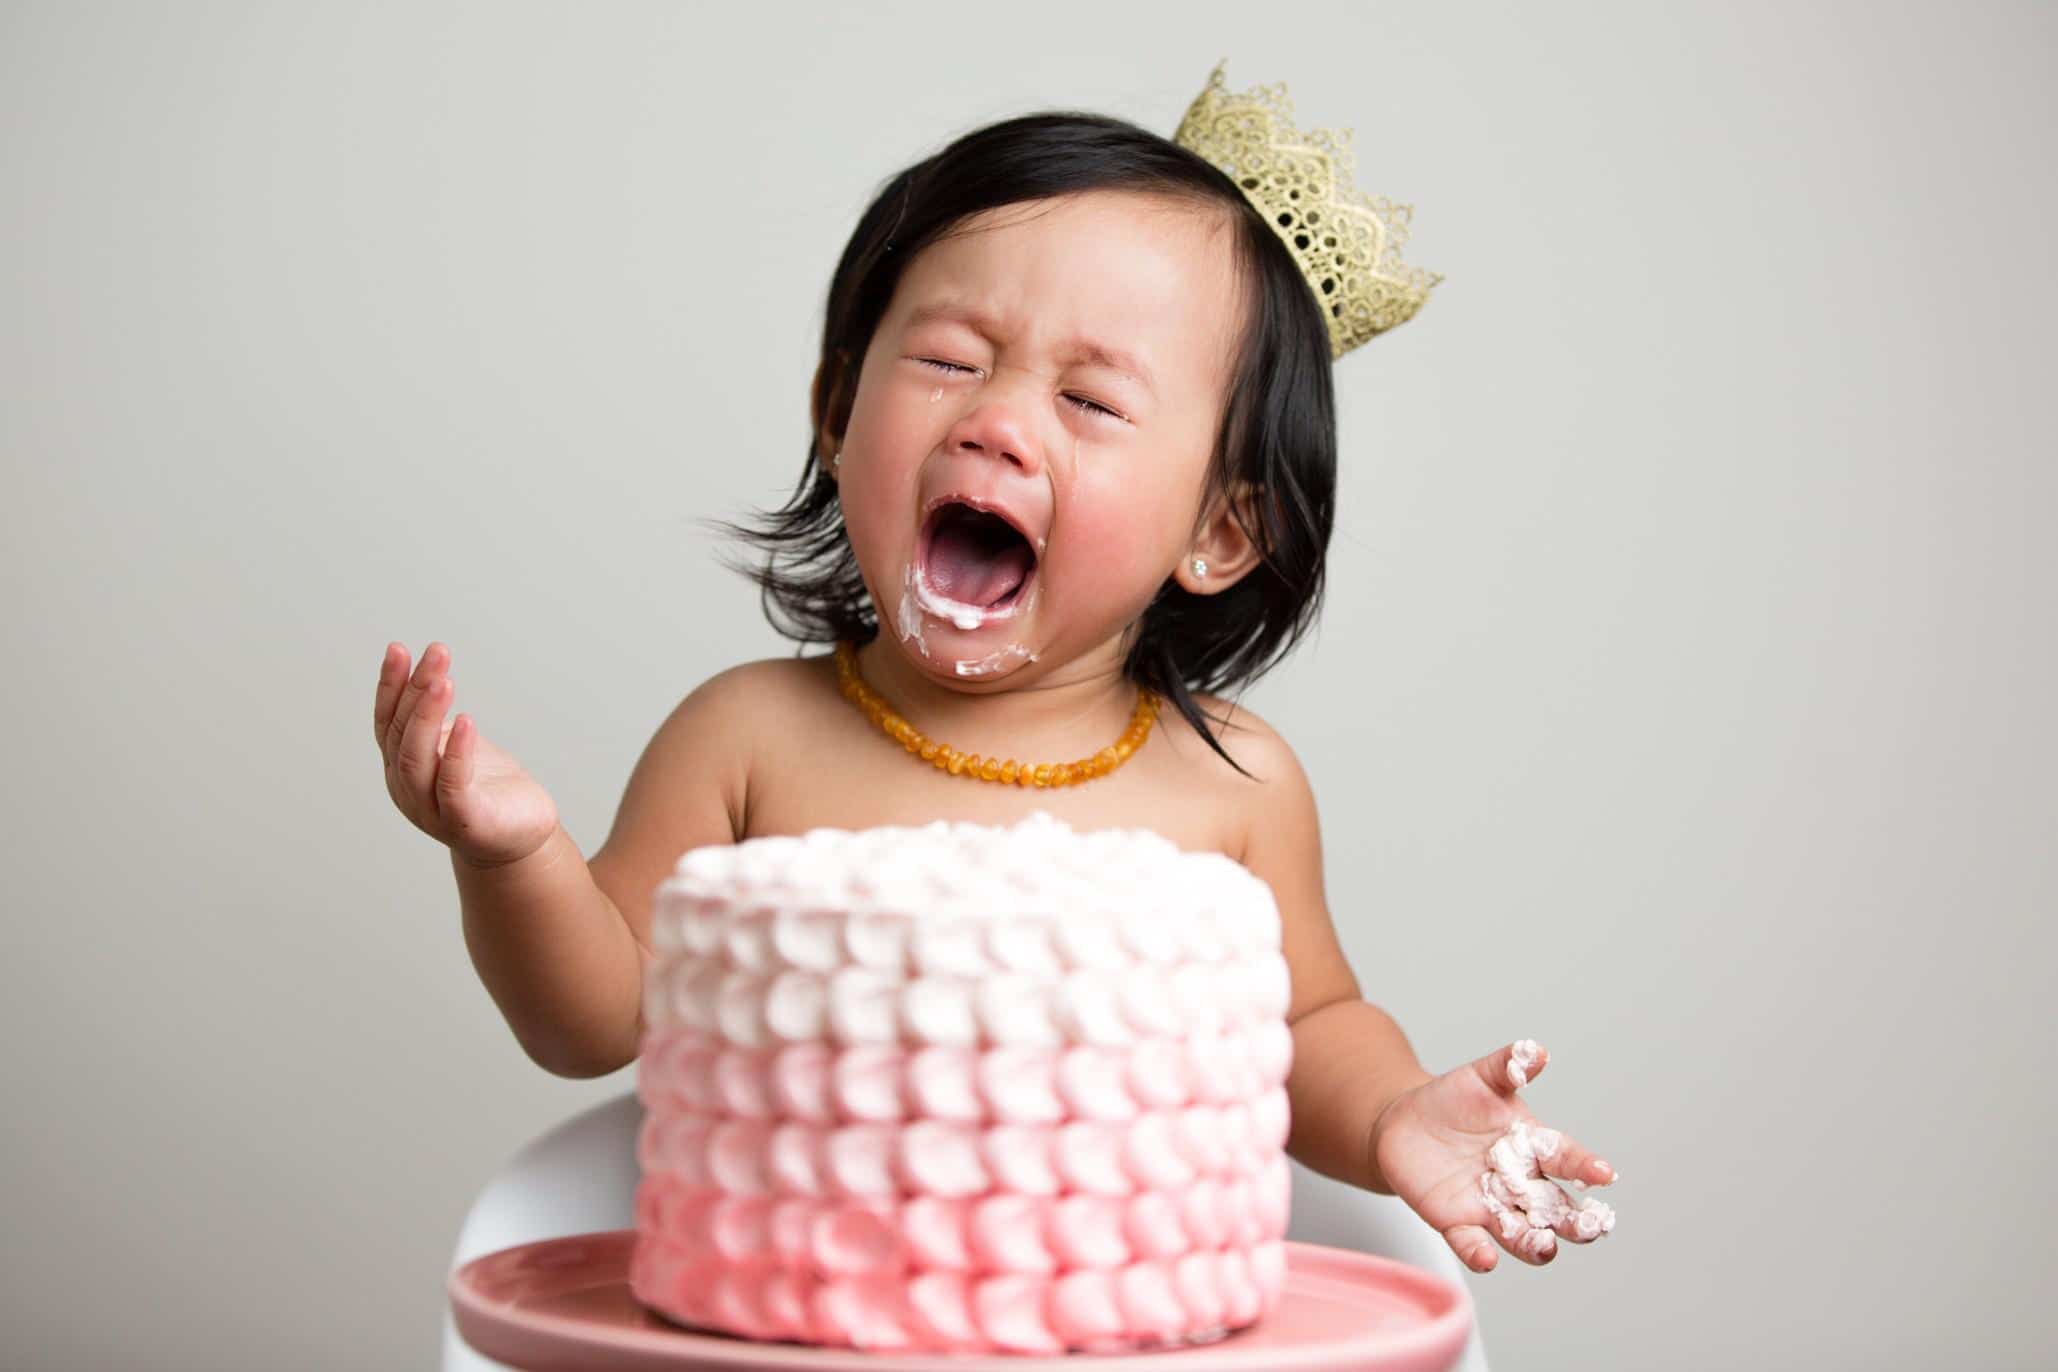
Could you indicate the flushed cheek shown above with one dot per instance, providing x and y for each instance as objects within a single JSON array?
[
  {"x": 876, "y": 521},
  {"x": 1109, "y": 549},
  {"x": 876, "y": 491},
  {"x": 884, "y": 447}
]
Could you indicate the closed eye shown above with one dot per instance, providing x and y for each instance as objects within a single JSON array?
[
  {"x": 1080, "y": 402},
  {"x": 1091, "y": 406}
]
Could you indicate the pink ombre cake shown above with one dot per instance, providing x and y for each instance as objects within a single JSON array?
[{"x": 962, "y": 1088}]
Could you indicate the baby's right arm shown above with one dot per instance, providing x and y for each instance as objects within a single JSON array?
[{"x": 559, "y": 943}]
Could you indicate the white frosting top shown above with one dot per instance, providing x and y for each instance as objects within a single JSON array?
[
  {"x": 1081, "y": 892},
  {"x": 958, "y": 934}
]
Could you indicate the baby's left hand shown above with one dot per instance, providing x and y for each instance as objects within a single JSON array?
[{"x": 1465, "y": 1152}]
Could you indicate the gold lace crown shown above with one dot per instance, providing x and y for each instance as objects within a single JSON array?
[{"x": 1347, "y": 243}]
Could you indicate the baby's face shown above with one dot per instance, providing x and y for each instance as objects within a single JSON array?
[{"x": 1023, "y": 465}]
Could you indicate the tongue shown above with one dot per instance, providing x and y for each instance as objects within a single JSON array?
[{"x": 978, "y": 562}]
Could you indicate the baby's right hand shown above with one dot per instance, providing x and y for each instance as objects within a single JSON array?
[{"x": 452, "y": 784}]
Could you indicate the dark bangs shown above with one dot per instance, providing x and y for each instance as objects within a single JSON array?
[{"x": 1277, "y": 439}]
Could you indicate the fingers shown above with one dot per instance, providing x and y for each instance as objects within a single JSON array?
[
  {"x": 1579, "y": 1219},
  {"x": 404, "y": 702},
  {"x": 392, "y": 679},
  {"x": 1530, "y": 1212},
  {"x": 393, "y": 682},
  {"x": 1511, "y": 1224},
  {"x": 1545, "y": 1207},
  {"x": 1569, "y": 1160},
  {"x": 1473, "y": 1245},
  {"x": 1587, "y": 1219},
  {"x": 415, "y": 762},
  {"x": 456, "y": 771},
  {"x": 1507, "y": 1070}
]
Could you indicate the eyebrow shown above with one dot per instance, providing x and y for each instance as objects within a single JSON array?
[{"x": 1086, "y": 350}]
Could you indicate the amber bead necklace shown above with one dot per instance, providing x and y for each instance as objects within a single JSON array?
[{"x": 1006, "y": 773}]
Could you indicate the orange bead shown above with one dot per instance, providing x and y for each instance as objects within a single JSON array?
[{"x": 851, "y": 684}]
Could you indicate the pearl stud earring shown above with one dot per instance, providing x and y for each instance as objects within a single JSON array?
[
  {"x": 836, "y": 462},
  {"x": 1200, "y": 567}
]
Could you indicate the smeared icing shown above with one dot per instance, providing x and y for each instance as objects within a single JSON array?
[
  {"x": 1522, "y": 1060},
  {"x": 993, "y": 662},
  {"x": 1531, "y": 1211},
  {"x": 920, "y": 602}
]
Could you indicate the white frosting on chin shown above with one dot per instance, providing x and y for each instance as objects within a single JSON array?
[
  {"x": 993, "y": 662},
  {"x": 921, "y": 602}
]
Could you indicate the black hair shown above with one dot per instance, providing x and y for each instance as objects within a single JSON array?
[{"x": 1277, "y": 440}]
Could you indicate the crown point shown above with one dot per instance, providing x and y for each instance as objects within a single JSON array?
[{"x": 1347, "y": 243}]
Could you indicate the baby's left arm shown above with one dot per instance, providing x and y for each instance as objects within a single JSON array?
[{"x": 1461, "y": 1149}]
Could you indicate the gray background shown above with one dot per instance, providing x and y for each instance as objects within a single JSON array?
[{"x": 1683, "y": 700}]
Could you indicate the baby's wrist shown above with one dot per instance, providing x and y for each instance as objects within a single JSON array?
[
  {"x": 1386, "y": 1096},
  {"x": 539, "y": 857}
]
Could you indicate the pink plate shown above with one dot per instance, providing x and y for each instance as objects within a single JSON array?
[{"x": 563, "y": 1305}]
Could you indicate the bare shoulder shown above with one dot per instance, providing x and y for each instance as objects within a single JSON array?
[
  {"x": 744, "y": 691},
  {"x": 1257, "y": 747},
  {"x": 720, "y": 722},
  {"x": 1271, "y": 786},
  {"x": 1253, "y": 745},
  {"x": 690, "y": 788}
]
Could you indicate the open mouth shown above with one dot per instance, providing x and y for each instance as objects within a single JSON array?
[{"x": 975, "y": 557}]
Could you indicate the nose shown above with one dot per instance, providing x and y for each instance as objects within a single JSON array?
[{"x": 995, "y": 427}]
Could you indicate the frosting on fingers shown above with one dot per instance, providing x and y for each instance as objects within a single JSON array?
[
  {"x": 1522, "y": 1060},
  {"x": 1530, "y": 1211}
]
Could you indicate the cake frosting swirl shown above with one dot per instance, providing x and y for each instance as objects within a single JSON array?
[{"x": 964, "y": 1088}]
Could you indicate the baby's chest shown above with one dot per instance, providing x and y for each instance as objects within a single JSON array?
[{"x": 862, "y": 783}]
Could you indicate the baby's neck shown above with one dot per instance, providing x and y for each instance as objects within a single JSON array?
[{"x": 1071, "y": 711}]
